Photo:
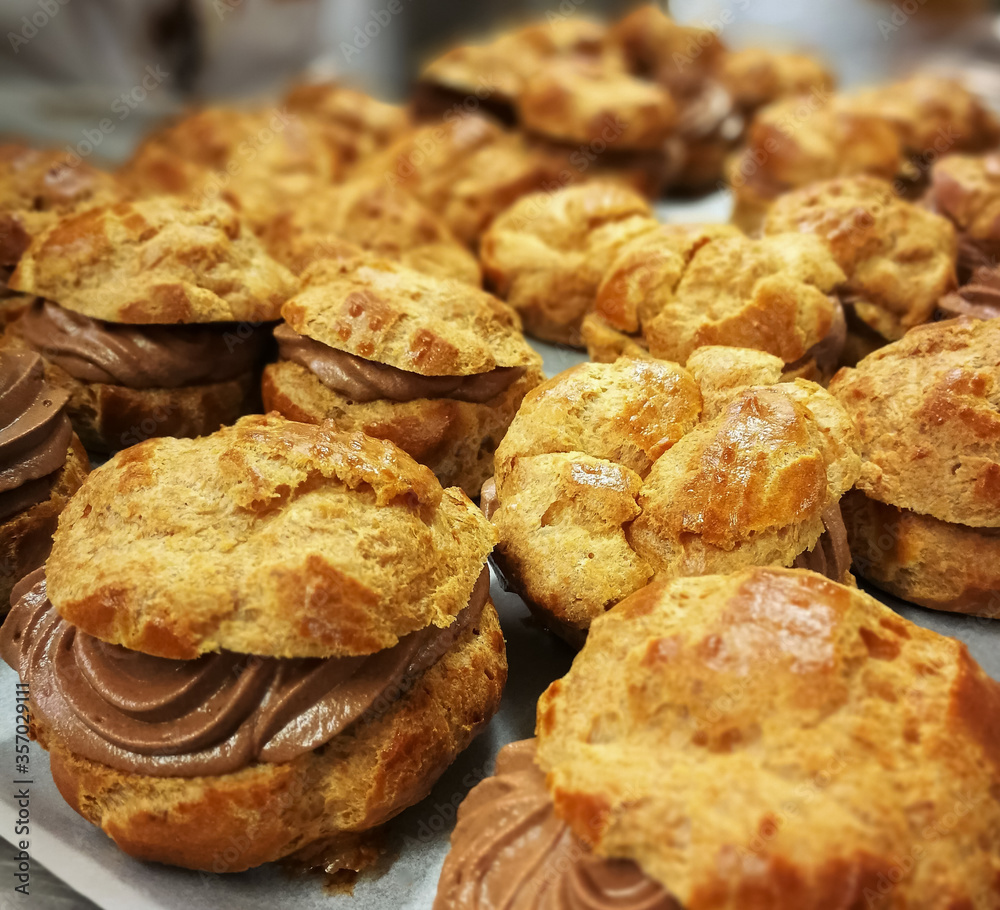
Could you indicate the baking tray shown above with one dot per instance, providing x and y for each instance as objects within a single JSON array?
[{"x": 88, "y": 861}]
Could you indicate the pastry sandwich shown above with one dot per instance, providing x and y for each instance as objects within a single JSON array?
[
  {"x": 150, "y": 315},
  {"x": 439, "y": 367},
  {"x": 924, "y": 519},
  {"x": 765, "y": 739},
  {"x": 255, "y": 642}
]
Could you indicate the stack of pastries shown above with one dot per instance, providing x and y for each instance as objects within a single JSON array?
[{"x": 304, "y": 340}]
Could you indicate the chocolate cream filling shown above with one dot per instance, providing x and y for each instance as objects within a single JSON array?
[
  {"x": 212, "y": 715},
  {"x": 510, "y": 851},
  {"x": 141, "y": 356},
  {"x": 832, "y": 554},
  {"x": 361, "y": 380},
  {"x": 979, "y": 298},
  {"x": 36, "y": 434}
]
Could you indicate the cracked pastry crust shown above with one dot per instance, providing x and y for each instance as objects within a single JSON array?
[
  {"x": 613, "y": 474},
  {"x": 268, "y": 537},
  {"x": 576, "y": 100},
  {"x": 467, "y": 170},
  {"x": 37, "y": 187},
  {"x": 892, "y": 131},
  {"x": 158, "y": 260},
  {"x": 681, "y": 287},
  {"x": 798, "y": 141},
  {"x": 820, "y": 738},
  {"x": 756, "y": 76},
  {"x": 546, "y": 255},
  {"x": 898, "y": 257},
  {"x": 373, "y": 216},
  {"x": 927, "y": 409},
  {"x": 966, "y": 190}
]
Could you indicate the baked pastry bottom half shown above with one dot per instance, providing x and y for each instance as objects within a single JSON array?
[
  {"x": 455, "y": 439},
  {"x": 358, "y": 780},
  {"x": 924, "y": 560}
]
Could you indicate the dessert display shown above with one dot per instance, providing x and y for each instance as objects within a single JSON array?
[
  {"x": 612, "y": 475},
  {"x": 547, "y": 253},
  {"x": 924, "y": 519},
  {"x": 438, "y": 367},
  {"x": 898, "y": 257},
  {"x": 767, "y": 738},
  {"x": 678, "y": 288},
  {"x": 150, "y": 315},
  {"x": 645, "y": 99},
  {"x": 217, "y": 634},
  {"x": 42, "y": 464},
  {"x": 305, "y": 330}
]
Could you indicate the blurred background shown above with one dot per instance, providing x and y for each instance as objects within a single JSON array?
[{"x": 67, "y": 64}]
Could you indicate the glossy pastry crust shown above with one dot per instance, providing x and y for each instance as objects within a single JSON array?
[
  {"x": 898, "y": 257},
  {"x": 302, "y": 519},
  {"x": 546, "y": 255},
  {"x": 819, "y": 738},
  {"x": 612, "y": 474}
]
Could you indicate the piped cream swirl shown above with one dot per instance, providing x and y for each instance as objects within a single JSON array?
[
  {"x": 213, "y": 715},
  {"x": 35, "y": 435},
  {"x": 510, "y": 851}
]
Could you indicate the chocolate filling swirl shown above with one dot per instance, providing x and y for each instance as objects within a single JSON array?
[
  {"x": 979, "y": 298},
  {"x": 213, "y": 715},
  {"x": 36, "y": 434},
  {"x": 510, "y": 851},
  {"x": 363, "y": 380},
  {"x": 141, "y": 356}
]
